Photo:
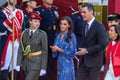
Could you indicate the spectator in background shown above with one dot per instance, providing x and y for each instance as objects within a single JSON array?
[
  {"x": 113, "y": 50},
  {"x": 64, "y": 49}
]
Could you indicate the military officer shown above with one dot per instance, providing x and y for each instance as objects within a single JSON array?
[
  {"x": 78, "y": 23},
  {"x": 50, "y": 16},
  {"x": 32, "y": 53}
]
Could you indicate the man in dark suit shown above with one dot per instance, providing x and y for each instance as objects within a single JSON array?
[{"x": 91, "y": 53}]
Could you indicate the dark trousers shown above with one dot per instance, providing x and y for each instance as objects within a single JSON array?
[
  {"x": 16, "y": 75},
  {"x": 32, "y": 75},
  {"x": 4, "y": 75},
  {"x": 88, "y": 73},
  {"x": 51, "y": 67}
]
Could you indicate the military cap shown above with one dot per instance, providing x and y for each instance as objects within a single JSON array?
[
  {"x": 113, "y": 17},
  {"x": 118, "y": 15},
  {"x": 80, "y": 3},
  {"x": 24, "y": 1},
  {"x": 35, "y": 16}
]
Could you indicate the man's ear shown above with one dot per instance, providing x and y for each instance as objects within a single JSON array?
[{"x": 92, "y": 12}]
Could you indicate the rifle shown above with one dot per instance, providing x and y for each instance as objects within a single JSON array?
[{"x": 73, "y": 10}]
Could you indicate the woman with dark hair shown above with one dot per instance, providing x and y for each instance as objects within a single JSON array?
[
  {"x": 64, "y": 49},
  {"x": 113, "y": 51}
]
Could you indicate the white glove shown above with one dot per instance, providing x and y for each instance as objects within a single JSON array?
[
  {"x": 42, "y": 72},
  {"x": 103, "y": 68},
  {"x": 12, "y": 15},
  {"x": 18, "y": 68}
]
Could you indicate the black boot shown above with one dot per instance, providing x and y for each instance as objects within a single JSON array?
[{"x": 4, "y": 75}]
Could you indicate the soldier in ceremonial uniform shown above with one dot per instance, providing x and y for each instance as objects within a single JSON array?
[
  {"x": 8, "y": 16},
  {"x": 29, "y": 9},
  {"x": 50, "y": 16},
  {"x": 32, "y": 53},
  {"x": 78, "y": 24}
]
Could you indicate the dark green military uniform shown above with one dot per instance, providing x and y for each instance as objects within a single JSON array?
[{"x": 32, "y": 65}]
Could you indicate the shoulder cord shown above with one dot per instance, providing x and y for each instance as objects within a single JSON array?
[{"x": 27, "y": 49}]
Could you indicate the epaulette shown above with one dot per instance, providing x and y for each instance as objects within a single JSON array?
[
  {"x": 39, "y": 6},
  {"x": 76, "y": 12},
  {"x": 42, "y": 31},
  {"x": 38, "y": 12},
  {"x": 55, "y": 6},
  {"x": 24, "y": 31}
]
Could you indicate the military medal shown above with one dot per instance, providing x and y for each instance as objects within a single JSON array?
[
  {"x": 54, "y": 27},
  {"x": 56, "y": 14}
]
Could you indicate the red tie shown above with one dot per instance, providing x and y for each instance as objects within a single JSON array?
[{"x": 31, "y": 33}]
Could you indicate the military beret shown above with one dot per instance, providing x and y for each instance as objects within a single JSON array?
[{"x": 35, "y": 16}]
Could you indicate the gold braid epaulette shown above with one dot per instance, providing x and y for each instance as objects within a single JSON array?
[{"x": 27, "y": 49}]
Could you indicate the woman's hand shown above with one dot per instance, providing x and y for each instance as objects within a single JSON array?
[
  {"x": 56, "y": 49},
  {"x": 53, "y": 48}
]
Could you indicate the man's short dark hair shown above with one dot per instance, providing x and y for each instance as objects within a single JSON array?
[{"x": 89, "y": 6}]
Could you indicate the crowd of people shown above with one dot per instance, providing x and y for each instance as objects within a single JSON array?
[{"x": 33, "y": 38}]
